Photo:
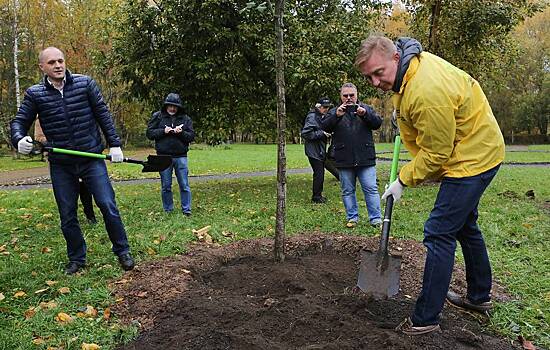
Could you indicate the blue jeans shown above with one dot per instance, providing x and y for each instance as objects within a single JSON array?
[
  {"x": 367, "y": 179},
  {"x": 454, "y": 217},
  {"x": 66, "y": 189},
  {"x": 179, "y": 164}
]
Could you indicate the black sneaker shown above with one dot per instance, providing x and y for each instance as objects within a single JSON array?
[
  {"x": 73, "y": 267},
  {"x": 126, "y": 262},
  {"x": 463, "y": 302},
  {"x": 187, "y": 213},
  {"x": 319, "y": 200}
]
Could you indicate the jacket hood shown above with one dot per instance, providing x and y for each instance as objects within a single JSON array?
[
  {"x": 174, "y": 100},
  {"x": 407, "y": 49}
]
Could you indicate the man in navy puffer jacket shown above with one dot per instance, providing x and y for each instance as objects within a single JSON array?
[
  {"x": 72, "y": 112},
  {"x": 172, "y": 131}
]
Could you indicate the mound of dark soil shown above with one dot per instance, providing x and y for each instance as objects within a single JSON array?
[{"x": 237, "y": 297}]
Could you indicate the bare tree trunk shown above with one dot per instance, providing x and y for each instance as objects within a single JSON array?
[
  {"x": 434, "y": 26},
  {"x": 15, "y": 52},
  {"x": 279, "y": 250}
]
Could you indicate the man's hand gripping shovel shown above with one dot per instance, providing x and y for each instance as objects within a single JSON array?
[{"x": 379, "y": 271}]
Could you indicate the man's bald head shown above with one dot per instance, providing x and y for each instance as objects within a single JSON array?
[
  {"x": 48, "y": 50},
  {"x": 52, "y": 63}
]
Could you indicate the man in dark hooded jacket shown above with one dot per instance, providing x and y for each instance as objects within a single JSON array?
[
  {"x": 316, "y": 148},
  {"x": 172, "y": 131}
]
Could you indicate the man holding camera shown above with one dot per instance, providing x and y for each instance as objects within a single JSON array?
[
  {"x": 354, "y": 155},
  {"x": 172, "y": 131}
]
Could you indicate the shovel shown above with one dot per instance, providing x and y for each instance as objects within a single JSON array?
[
  {"x": 154, "y": 163},
  {"x": 379, "y": 271}
]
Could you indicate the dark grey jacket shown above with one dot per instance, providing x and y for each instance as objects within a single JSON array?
[
  {"x": 314, "y": 136},
  {"x": 72, "y": 121},
  {"x": 352, "y": 137},
  {"x": 175, "y": 145}
]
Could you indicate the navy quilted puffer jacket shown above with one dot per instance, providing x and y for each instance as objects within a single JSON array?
[{"x": 72, "y": 121}]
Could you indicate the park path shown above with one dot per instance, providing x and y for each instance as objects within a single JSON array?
[{"x": 39, "y": 177}]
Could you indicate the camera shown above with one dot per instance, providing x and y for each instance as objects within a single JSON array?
[{"x": 351, "y": 108}]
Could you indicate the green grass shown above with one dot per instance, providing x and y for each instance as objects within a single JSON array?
[
  {"x": 32, "y": 249},
  {"x": 516, "y": 231}
]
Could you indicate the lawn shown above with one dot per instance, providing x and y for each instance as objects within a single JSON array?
[{"x": 34, "y": 292}]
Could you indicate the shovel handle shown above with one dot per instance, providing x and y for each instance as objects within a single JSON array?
[
  {"x": 88, "y": 154},
  {"x": 386, "y": 224}
]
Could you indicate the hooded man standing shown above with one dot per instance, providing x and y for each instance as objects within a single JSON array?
[
  {"x": 73, "y": 115},
  {"x": 172, "y": 131},
  {"x": 447, "y": 125},
  {"x": 316, "y": 148}
]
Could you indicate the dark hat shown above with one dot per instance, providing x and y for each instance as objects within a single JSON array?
[
  {"x": 173, "y": 99},
  {"x": 325, "y": 102}
]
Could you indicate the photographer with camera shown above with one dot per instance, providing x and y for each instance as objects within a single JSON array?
[
  {"x": 172, "y": 131},
  {"x": 351, "y": 124}
]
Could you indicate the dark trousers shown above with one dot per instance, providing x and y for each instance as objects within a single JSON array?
[
  {"x": 65, "y": 185},
  {"x": 319, "y": 167},
  {"x": 86, "y": 199},
  {"x": 454, "y": 217}
]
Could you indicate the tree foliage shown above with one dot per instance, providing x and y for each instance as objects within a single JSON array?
[{"x": 221, "y": 59}]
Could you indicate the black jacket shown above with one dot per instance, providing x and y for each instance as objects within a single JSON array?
[
  {"x": 352, "y": 137},
  {"x": 72, "y": 121},
  {"x": 315, "y": 139},
  {"x": 175, "y": 145}
]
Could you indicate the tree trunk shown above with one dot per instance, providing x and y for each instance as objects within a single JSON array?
[
  {"x": 281, "y": 127},
  {"x": 15, "y": 52},
  {"x": 436, "y": 10}
]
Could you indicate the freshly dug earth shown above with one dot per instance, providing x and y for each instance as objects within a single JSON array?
[{"x": 236, "y": 297}]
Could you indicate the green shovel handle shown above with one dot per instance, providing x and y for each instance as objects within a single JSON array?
[
  {"x": 395, "y": 159},
  {"x": 77, "y": 153}
]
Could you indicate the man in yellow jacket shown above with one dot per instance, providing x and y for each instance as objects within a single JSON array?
[{"x": 446, "y": 123}]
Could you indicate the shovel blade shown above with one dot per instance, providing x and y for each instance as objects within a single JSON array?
[
  {"x": 156, "y": 163},
  {"x": 379, "y": 274}
]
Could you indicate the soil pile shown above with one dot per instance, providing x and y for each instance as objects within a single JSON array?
[{"x": 237, "y": 297}]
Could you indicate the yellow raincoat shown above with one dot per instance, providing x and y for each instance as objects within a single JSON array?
[{"x": 445, "y": 122}]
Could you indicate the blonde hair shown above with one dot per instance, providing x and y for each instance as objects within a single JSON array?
[{"x": 374, "y": 43}]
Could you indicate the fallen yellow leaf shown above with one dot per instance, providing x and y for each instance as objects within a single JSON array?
[
  {"x": 30, "y": 312},
  {"x": 38, "y": 341},
  {"x": 48, "y": 305},
  {"x": 20, "y": 294},
  {"x": 151, "y": 251},
  {"x": 2, "y": 248},
  {"x": 92, "y": 346},
  {"x": 64, "y": 290},
  {"x": 41, "y": 290},
  {"x": 63, "y": 318},
  {"x": 2, "y": 297},
  {"x": 51, "y": 283},
  {"x": 107, "y": 313},
  {"x": 46, "y": 250}
]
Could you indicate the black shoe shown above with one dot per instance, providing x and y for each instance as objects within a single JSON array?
[
  {"x": 319, "y": 200},
  {"x": 187, "y": 213},
  {"x": 463, "y": 302},
  {"x": 73, "y": 267},
  {"x": 126, "y": 262},
  {"x": 92, "y": 221}
]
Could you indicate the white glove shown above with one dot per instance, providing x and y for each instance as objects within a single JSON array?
[
  {"x": 116, "y": 154},
  {"x": 24, "y": 146},
  {"x": 395, "y": 189}
]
